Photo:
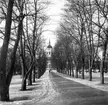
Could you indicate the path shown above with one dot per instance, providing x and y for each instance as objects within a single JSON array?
[{"x": 61, "y": 91}]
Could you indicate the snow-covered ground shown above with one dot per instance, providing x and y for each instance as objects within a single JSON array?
[
  {"x": 42, "y": 89},
  {"x": 32, "y": 93},
  {"x": 95, "y": 83}
]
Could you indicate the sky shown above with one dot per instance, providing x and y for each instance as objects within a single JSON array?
[{"x": 54, "y": 11}]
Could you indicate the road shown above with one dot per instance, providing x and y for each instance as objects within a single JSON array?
[{"x": 60, "y": 91}]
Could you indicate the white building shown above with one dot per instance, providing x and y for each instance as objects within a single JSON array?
[
  {"x": 49, "y": 50},
  {"x": 49, "y": 53}
]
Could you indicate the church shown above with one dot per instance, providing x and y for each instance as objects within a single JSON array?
[
  {"x": 49, "y": 50},
  {"x": 48, "y": 54}
]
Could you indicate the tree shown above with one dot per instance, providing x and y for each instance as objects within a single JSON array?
[
  {"x": 86, "y": 22},
  {"x": 102, "y": 8},
  {"x": 4, "y": 89},
  {"x": 42, "y": 63},
  {"x": 12, "y": 35},
  {"x": 32, "y": 40}
]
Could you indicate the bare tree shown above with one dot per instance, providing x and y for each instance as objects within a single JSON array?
[
  {"x": 35, "y": 23},
  {"x": 4, "y": 89},
  {"x": 102, "y": 8}
]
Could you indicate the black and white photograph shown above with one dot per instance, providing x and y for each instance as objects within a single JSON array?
[{"x": 53, "y": 52}]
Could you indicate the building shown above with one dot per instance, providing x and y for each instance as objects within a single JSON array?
[
  {"x": 49, "y": 50},
  {"x": 48, "y": 54}
]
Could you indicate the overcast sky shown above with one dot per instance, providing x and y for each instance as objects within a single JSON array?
[{"x": 54, "y": 11}]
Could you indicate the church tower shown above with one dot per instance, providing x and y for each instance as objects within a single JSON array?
[
  {"x": 49, "y": 50},
  {"x": 49, "y": 53}
]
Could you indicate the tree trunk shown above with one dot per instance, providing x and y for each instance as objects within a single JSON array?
[
  {"x": 70, "y": 69},
  {"x": 34, "y": 75},
  {"x": 4, "y": 93},
  {"x": 30, "y": 78},
  {"x": 72, "y": 72},
  {"x": 90, "y": 69},
  {"x": 4, "y": 89},
  {"x": 82, "y": 67},
  {"x": 23, "y": 64},
  {"x": 82, "y": 73},
  {"x": 13, "y": 55},
  {"x": 82, "y": 52},
  {"x": 23, "y": 86},
  {"x": 90, "y": 73},
  {"x": 103, "y": 61},
  {"x": 76, "y": 72}
]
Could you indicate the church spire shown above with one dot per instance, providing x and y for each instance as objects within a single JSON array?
[
  {"x": 49, "y": 42},
  {"x": 49, "y": 46}
]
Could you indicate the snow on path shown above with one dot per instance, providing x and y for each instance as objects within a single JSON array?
[{"x": 48, "y": 95}]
